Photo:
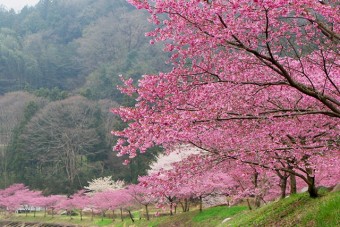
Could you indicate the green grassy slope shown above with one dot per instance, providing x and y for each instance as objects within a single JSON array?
[{"x": 297, "y": 210}]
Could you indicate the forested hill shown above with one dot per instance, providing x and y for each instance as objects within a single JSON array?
[
  {"x": 74, "y": 44},
  {"x": 59, "y": 67}
]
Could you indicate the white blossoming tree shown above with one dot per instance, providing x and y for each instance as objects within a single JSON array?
[{"x": 104, "y": 184}]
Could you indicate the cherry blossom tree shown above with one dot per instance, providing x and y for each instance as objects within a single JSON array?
[
  {"x": 103, "y": 184},
  {"x": 27, "y": 198},
  {"x": 111, "y": 200},
  {"x": 202, "y": 175},
  {"x": 128, "y": 204},
  {"x": 40, "y": 202},
  {"x": 250, "y": 80},
  {"x": 80, "y": 201},
  {"x": 51, "y": 203},
  {"x": 37, "y": 202},
  {"x": 67, "y": 205},
  {"x": 6, "y": 197},
  {"x": 142, "y": 196},
  {"x": 18, "y": 196},
  {"x": 177, "y": 153},
  {"x": 163, "y": 186},
  {"x": 104, "y": 201}
]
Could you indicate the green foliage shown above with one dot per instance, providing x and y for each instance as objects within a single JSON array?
[
  {"x": 12, "y": 60},
  {"x": 30, "y": 109},
  {"x": 54, "y": 144},
  {"x": 60, "y": 43},
  {"x": 53, "y": 94},
  {"x": 66, "y": 143}
]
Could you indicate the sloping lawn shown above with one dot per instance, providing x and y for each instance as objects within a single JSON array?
[{"x": 297, "y": 210}]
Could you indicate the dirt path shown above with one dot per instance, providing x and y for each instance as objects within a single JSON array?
[{"x": 31, "y": 224}]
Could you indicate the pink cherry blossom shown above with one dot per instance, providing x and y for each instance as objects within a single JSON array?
[{"x": 256, "y": 82}]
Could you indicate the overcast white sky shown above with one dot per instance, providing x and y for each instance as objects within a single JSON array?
[{"x": 17, "y": 5}]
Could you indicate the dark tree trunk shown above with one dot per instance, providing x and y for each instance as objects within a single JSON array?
[
  {"x": 283, "y": 183},
  {"x": 171, "y": 205},
  {"x": 171, "y": 200},
  {"x": 186, "y": 204},
  {"x": 248, "y": 203},
  {"x": 292, "y": 179},
  {"x": 257, "y": 198},
  {"x": 131, "y": 216},
  {"x": 147, "y": 212},
  {"x": 182, "y": 205},
  {"x": 201, "y": 203},
  {"x": 313, "y": 192},
  {"x": 283, "y": 186},
  {"x": 121, "y": 214},
  {"x": 257, "y": 201}
]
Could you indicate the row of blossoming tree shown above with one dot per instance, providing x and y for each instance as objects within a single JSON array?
[
  {"x": 180, "y": 181},
  {"x": 255, "y": 84},
  {"x": 103, "y": 195},
  {"x": 18, "y": 197}
]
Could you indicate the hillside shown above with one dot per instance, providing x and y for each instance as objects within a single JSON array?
[{"x": 75, "y": 45}]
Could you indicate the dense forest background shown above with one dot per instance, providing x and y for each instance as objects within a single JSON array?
[{"x": 60, "y": 63}]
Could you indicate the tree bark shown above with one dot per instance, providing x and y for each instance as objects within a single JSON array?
[
  {"x": 201, "y": 203},
  {"x": 257, "y": 198},
  {"x": 113, "y": 215},
  {"x": 171, "y": 205},
  {"x": 313, "y": 192},
  {"x": 283, "y": 186},
  {"x": 283, "y": 183},
  {"x": 171, "y": 200},
  {"x": 292, "y": 179},
  {"x": 147, "y": 212},
  {"x": 248, "y": 203},
  {"x": 182, "y": 205},
  {"x": 131, "y": 216}
]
